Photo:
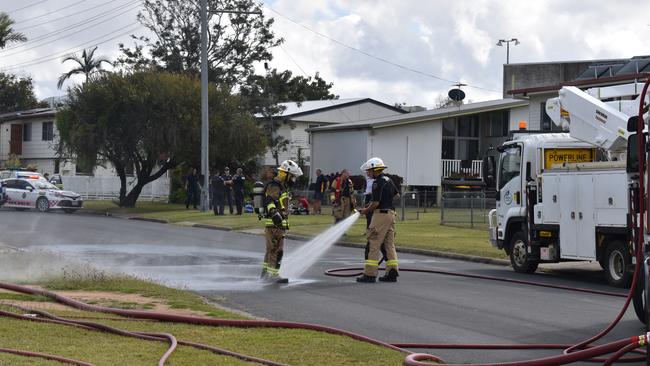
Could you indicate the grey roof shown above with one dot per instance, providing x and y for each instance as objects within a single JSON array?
[
  {"x": 294, "y": 109},
  {"x": 26, "y": 114},
  {"x": 312, "y": 105},
  {"x": 635, "y": 65},
  {"x": 429, "y": 115}
]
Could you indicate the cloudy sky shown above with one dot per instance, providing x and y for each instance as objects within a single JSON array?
[{"x": 406, "y": 51}]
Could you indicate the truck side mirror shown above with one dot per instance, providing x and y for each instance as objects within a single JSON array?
[
  {"x": 489, "y": 169},
  {"x": 632, "y": 159},
  {"x": 632, "y": 123}
]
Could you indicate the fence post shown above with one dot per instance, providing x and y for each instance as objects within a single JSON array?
[
  {"x": 442, "y": 208},
  {"x": 425, "y": 201},
  {"x": 471, "y": 210},
  {"x": 403, "y": 205},
  {"x": 417, "y": 215}
]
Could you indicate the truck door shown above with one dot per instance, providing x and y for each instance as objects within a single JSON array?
[{"x": 510, "y": 196}]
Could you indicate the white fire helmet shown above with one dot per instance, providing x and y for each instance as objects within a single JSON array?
[
  {"x": 290, "y": 167},
  {"x": 373, "y": 164}
]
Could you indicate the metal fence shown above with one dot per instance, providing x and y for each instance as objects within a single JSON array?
[
  {"x": 108, "y": 187},
  {"x": 408, "y": 206},
  {"x": 465, "y": 208}
]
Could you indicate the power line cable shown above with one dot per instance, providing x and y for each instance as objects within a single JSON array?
[
  {"x": 68, "y": 28},
  {"x": 49, "y": 13},
  {"x": 26, "y": 7},
  {"x": 68, "y": 16},
  {"x": 331, "y": 101},
  {"x": 407, "y": 68},
  {"x": 75, "y": 49},
  {"x": 294, "y": 61}
]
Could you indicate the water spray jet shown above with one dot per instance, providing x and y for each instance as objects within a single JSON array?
[{"x": 298, "y": 262}]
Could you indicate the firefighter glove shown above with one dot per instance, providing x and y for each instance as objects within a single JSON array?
[{"x": 277, "y": 219}]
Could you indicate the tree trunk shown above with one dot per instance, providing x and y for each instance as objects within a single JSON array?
[
  {"x": 131, "y": 198},
  {"x": 143, "y": 179},
  {"x": 121, "y": 172}
]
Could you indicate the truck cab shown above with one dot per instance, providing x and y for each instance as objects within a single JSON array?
[{"x": 558, "y": 200}]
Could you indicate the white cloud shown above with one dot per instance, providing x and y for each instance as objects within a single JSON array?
[{"x": 452, "y": 40}]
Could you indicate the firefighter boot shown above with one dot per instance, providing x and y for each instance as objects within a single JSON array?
[
  {"x": 267, "y": 277},
  {"x": 278, "y": 279},
  {"x": 366, "y": 279},
  {"x": 391, "y": 276}
]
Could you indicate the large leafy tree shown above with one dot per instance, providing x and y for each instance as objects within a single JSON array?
[
  {"x": 17, "y": 94},
  {"x": 151, "y": 121},
  {"x": 263, "y": 94},
  {"x": 7, "y": 33},
  {"x": 235, "y": 41},
  {"x": 282, "y": 87},
  {"x": 87, "y": 65}
]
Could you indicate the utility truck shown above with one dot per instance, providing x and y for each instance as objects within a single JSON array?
[{"x": 566, "y": 196}]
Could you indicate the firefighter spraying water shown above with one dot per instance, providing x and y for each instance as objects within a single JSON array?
[{"x": 273, "y": 205}]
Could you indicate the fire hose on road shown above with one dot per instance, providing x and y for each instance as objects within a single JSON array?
[{"x": 573, "y": 353}]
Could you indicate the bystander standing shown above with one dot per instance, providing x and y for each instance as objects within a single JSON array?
[{"x": 238, "y": 189}]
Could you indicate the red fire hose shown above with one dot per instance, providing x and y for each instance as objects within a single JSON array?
[
  {"x": 413, "y": 359},
  {"x": 45, "y": 356}
]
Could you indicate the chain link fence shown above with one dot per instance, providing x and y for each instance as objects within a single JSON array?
[
  {"x": 467, "y": 208},
  {"x": 408, "y": 206}
]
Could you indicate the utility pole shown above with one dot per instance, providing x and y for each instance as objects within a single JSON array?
[
  {"x": 205, "y": 191},
  {"x": 205, "y": 127}
]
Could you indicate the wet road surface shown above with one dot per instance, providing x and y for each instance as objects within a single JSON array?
[{"x": 419, "y": 308}]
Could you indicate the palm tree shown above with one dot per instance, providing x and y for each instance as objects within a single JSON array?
[
  {"x": 87, "y": 65},
  {"x": 7, "y": 34}
]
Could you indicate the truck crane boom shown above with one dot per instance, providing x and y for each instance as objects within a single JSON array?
[{"x": 589, "y": 119}]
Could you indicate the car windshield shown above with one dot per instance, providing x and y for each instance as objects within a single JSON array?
[{"x": 42, "y": 184}]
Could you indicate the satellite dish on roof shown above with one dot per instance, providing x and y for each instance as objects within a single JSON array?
[{"x": 456, "y": 95}]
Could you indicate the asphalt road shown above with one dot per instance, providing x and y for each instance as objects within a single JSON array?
[{"x": 419, "y": 308}]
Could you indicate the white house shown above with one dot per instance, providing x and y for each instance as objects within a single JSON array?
[
  {"x": 422, "y": 147},
  {"x": 297, "y": 118},
  {"x": 31, "y": 135}
]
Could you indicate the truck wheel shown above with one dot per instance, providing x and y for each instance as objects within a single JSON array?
[
  {"x": 618, "y": 264},
  {"x": 638, "y": 299},
  {"x": 519, "y": 254}
]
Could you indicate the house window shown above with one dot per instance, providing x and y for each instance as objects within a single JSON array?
[
  {"x": 468, "y": 126},
  {"x": 460, "y": 138},
  {"x": 449, "y": 127},
  {"x": 27, "y": 132},
  {"x": 48, "y": 131},
  {"x": 497, "y": 124},
  {"x": 448, "y": 149},
  {"x": 467, "y": 149},
  {"x": 545, "y": 120}
]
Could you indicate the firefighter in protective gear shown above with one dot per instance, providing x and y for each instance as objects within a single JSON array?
[
  {"x": 343, "y": 197},
  {"x": 276, "y": 208},
  {"x": 382, "y": 225}
]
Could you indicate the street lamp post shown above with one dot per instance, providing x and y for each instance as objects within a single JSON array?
[
  {"x": 507, "y": 42},
  {"x": 205, "y": 130}
]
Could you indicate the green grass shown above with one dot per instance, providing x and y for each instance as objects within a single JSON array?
[
  {"x": 294, "y": 347},
  {"x": 94, "y": 280},
  {"x": 425, "y": 233}
]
